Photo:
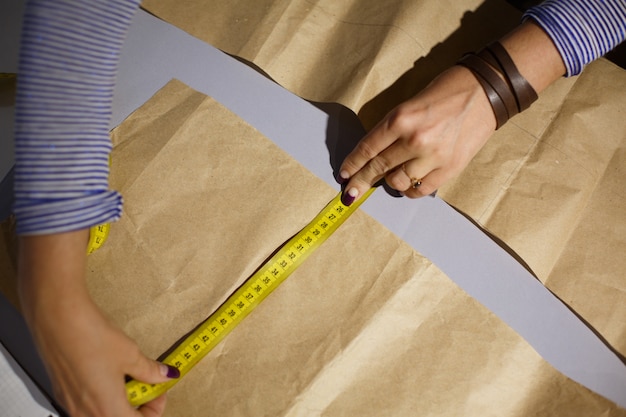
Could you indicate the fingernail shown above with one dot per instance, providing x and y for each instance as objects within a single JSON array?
[
  {"x": 170, "y": 371},
  {"x": 342, "y": 177},
  {"x": 349, "y": 196}
]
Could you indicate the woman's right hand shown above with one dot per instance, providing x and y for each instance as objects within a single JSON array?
[
  {"x": 432, "y": 137},
  {"x": 424, "y": 141}
]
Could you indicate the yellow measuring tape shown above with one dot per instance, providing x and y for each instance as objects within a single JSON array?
[
  {"x": 97, "y": 236},
  {"x": 254, "y": 290}
]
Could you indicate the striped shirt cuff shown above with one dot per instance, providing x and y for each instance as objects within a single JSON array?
[
  {"x": 582, "y": 30},
  {"x": 46, "y": 217},
  {"x": 68, "y": 62}
]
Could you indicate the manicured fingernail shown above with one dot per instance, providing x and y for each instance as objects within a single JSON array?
[
  {"x": 170, "y": 371},
  {"x": 342, "y": 177},
  {"x": 349, "y": 196}
]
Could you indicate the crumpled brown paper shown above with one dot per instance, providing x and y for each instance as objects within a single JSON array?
[
  {"x": 366, "y": 326},
  {"x": 562, "y": 208},
  {"x": 548, "y": 184},
  {"x": 348, "y": 52}
]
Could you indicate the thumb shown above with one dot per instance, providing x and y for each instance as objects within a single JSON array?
[{"x": 151, "y": 371}]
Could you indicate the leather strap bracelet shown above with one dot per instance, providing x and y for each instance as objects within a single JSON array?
[
  {"x": 524, "y": 93},
  {"x": 508, "y": 91}
]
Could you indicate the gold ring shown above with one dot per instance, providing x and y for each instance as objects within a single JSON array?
[{"x": 415, "y": 182}]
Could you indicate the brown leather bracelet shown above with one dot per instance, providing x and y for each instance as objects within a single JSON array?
[
  {"x": 524, "y": 93},
  {"x": 493, "y": 78},
  {"x": 503, "y": 103},
  {"x": 499, "y": 109},
  {"x": 490, "y": 59}
]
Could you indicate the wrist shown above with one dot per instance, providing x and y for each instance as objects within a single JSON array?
[{"x": 478, "y": 104}]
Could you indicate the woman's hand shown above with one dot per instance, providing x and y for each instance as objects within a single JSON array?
[
  {"x": 431, "y": 138},
  {"x": 86, "y": 357},
  {"x": 424, "y": 141}
]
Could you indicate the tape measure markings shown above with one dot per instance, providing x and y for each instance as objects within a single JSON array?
[
  {"x": 254, "y": 290},
  {"x": 97, "y": 236}
]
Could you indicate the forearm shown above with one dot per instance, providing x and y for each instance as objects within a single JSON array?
[
  {"x": 559, "y": 37},
  {"x": 501, "y": 93},
  {"x": 52, "y": 276},
  {"x": 534, "y": 54}
]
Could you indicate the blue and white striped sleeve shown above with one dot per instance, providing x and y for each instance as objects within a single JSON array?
[
  {"x": 582, "y": 30},
  {"x": 68, "y": 62}
]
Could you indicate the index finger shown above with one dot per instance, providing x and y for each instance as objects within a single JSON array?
[
  {"x": 367, "y": 163},
  {"x": 372, "y": 144}
]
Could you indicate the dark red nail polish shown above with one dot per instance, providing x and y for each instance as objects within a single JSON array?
[
  {"x": 172, "y": 372},
  {"x": 347, "y": 199}
]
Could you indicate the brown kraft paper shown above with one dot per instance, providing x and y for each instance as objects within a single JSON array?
[
  {"x": 548, "y": 184},
  {"x": 366, "y": 326}
]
